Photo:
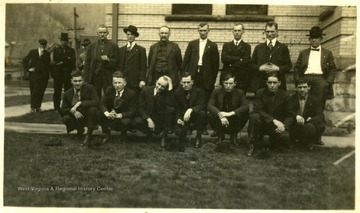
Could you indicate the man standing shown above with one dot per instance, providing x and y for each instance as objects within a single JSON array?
[
  {"x": 132, "y": 61},
  {"x": 235, "y": 56},
  {"x": 229, "y": 110},
  {"x": 307, "y": 114},
  {"x": 155, "y": 109},
  {"x": 117, "y": 108},
  {"x": 64, "y": 59},
  {"x": 82, "y": 56},
  {"x": 271, "y": 115},
  {"x": 164, "y": 59},
  {"x": 316, "y": 65},
  {"x": 201, "y": 60},
  {"x": 271, "y": 56},
  {"x": 189, "y": 109},
  {"x": 79, "y": 107},
  {"x": 100, "y": 62},
  {"x": 37, "y": 63}
]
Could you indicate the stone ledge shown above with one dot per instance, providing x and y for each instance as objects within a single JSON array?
[{"x": 232, "y": 18}]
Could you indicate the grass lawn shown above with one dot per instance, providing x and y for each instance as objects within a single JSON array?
[{"x": 142, "y": 175}]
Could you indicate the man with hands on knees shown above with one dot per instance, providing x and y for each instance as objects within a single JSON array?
[
  {"x": 79, "y": 107},
  {"x": 117, "y": 108}
]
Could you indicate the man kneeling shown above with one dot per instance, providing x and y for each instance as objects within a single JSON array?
[{"x": 117, "y": 108}]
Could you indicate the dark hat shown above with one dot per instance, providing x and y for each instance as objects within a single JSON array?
[
  {"x": 64, "y": 37},
  {"x": 132, "y": 29},
  {"x": 86, "y": 42},
  {"x": 42, "y": 41},
  {"x": 315, "y": 32}
]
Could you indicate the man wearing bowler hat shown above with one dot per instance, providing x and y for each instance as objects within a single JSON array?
[
  {"x": 100, "y": 61},
  {"x": 316, "y": 65},
  {"x": 85, "y": 44},
  {"x": 132, "y": 61},
  {"x": 64, "y": 58},
  {"x": 37, "y": 64}
]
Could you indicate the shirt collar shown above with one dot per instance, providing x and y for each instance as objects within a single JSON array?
[
  {"x": 272, "y": 41},
  {"x": 204, "y": 41},
  {"x": 121, "y": 92},
  {"x": 237, "y": 41},
  {"x": 132, "y": 44},
  {"x": 306, "y": 96},
  {"x": 319, "y": 47}
]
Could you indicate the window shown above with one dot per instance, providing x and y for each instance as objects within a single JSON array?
[
  {"x": 243, "y": 9},
  {"x": 192, "y": 9}
]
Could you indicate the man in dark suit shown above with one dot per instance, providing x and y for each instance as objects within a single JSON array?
[
  {"x": 64, "y": 59},
  {"x": 100, "y": 62},
  {"x": 155, "y": 109},
  {"x": 270, "y": 56},
  {"x": 164, "y": 59},
  {"x": 132, "y": 61},
  {"x": 37, "y": 63},
  {"x": 79, "y": 107},
  {"x": 189, "y": 109},
  {"x": 229, "y": 110},
  {"x": 308, "y": 118},
  {"x": 235, "y": 56},
  {"x": 201, "y": 60},
  {"x": 117, "y": 108},
  {"x": 271, "y": 115},
  {"x": 316, "y": 64}
]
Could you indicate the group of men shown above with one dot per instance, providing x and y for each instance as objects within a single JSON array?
[{"x": 116, "y": 89}]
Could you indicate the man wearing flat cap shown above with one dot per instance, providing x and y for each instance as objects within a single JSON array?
[
  {"x": 132, "y": 61},
  {"x": 64, "y": 58},
  {"x": 37, "y": 63},
  {"x": 100, "y": 62},
  {"x": 85, "y": 45},
  {"x": 316, "y": 65}
]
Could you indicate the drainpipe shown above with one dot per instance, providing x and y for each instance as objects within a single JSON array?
[{"x": 115, "y": 22}]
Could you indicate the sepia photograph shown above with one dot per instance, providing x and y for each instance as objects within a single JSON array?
[{"x": 179, "y": 106}]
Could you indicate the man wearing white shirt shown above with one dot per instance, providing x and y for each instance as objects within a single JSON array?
[{"x": 132, "y": 61}]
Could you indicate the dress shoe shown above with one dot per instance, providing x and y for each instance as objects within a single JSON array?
[
  {"x": 198, "y": 143},
  {"x": 163, "y": 142},
  {"x": 80, "y": 132},
  {"x": 87, "y": 141},
  {"x": 251, "y": 150},
  {"x": 205, "y": 132},
  {"x": 38, "y": 109},
  {"x": 234, "y": 140},
  {"x": 32, "y": 110},
  {"x": 213, "y": 134},
  {"x": 107, "y": 139}
]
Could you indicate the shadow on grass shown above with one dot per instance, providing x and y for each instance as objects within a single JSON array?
[{"x": 47, "y": 117}]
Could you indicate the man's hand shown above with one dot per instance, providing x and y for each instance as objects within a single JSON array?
[
  {"x": 269, "y": 67},
  {"x": 110, "y": 115},
  {"x": 226, "y": 114},
  {"x": 78, "y": 115},
  {"x": 180, "y": 122},
  {"x": 151, "y": 124},
  {"x": 300, "y": 120},
  {"x": 105, "y": 58},
  {"x": 224, "y": 122},
  {"x": 187, "y": 114},
  {"x": 280, "y": 126},
  {"x": 59, "y": 63},
  {"x": 32, "y": 69},
  {"x": 141, "y": 84}
]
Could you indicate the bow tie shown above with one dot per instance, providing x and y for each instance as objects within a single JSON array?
[{"x": 315, "y": 49}]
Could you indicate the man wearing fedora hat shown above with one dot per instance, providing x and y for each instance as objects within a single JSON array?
[
  {"x": 316, "y": 64},
  {"x": 132, "y": 61},
  {"x": 37, "y": 63},
  {"x": 64, "y": 58},
  {"x": 82, "y": 55},
  {"x": 100, "y": 61}
]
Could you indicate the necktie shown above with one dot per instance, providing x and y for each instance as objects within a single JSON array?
[
  {"x": 128, "y": 47},
  {"x": 117, "y": 100},
  {"x": 237, "y": 43},
  {"x": 302, "y": 105},
  {"x": 270, "y": 45},
  {"x": 315, "y": 49},
  {"x": 76, "y": 97}
]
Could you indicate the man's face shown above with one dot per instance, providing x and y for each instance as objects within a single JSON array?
[
  {"x": 303, "y": 89},
  {"x": 270, "y": 32},
  {"x": 130, "y": 37},
  {"x": 238, "y": 31},
  {"x": 229, "y": 84},
  {"x": 203, "y": 31},
  {"x": 102, "y": 33},
  {"x": 161, "y": 85},
  {"x": 187, "y": 83},
  {"x": 42, "y": 46},
  {"x": 119, "y": 83},
  {"x": 77, "y": 82},
  {"x": 64, "y": 43},
  {"x": 273, "y": 84},
  {"x": 315, "y": 42},
  {"x": 164, "y": 34}
]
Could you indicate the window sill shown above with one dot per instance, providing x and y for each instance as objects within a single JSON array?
[{"x": 225, "y": 18}]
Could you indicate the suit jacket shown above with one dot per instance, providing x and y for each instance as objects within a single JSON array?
[
  {"x": 88, "y": 98},
  {"x": 41, "y": 64},
  {"x": 312, "y": 109},
  {"x": 327, "y": 66},
  {"x": 146, "y": 101},
  {"x": 128, "y": 102},
  {"x": 210, "y": 61},
  {"x": 66, "y": 55},
  {"x": 279, "y": 56},
  {"x": 173, "y": 59},
  {"x": 135, "y": 71},
  {"x": 236, "y": 58},
  {"x": 196, "y": 103},
  {"x": 91, "y": 60},
  {"x": 278, "y": 109},
  {"x": 239, "y": 101}
]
